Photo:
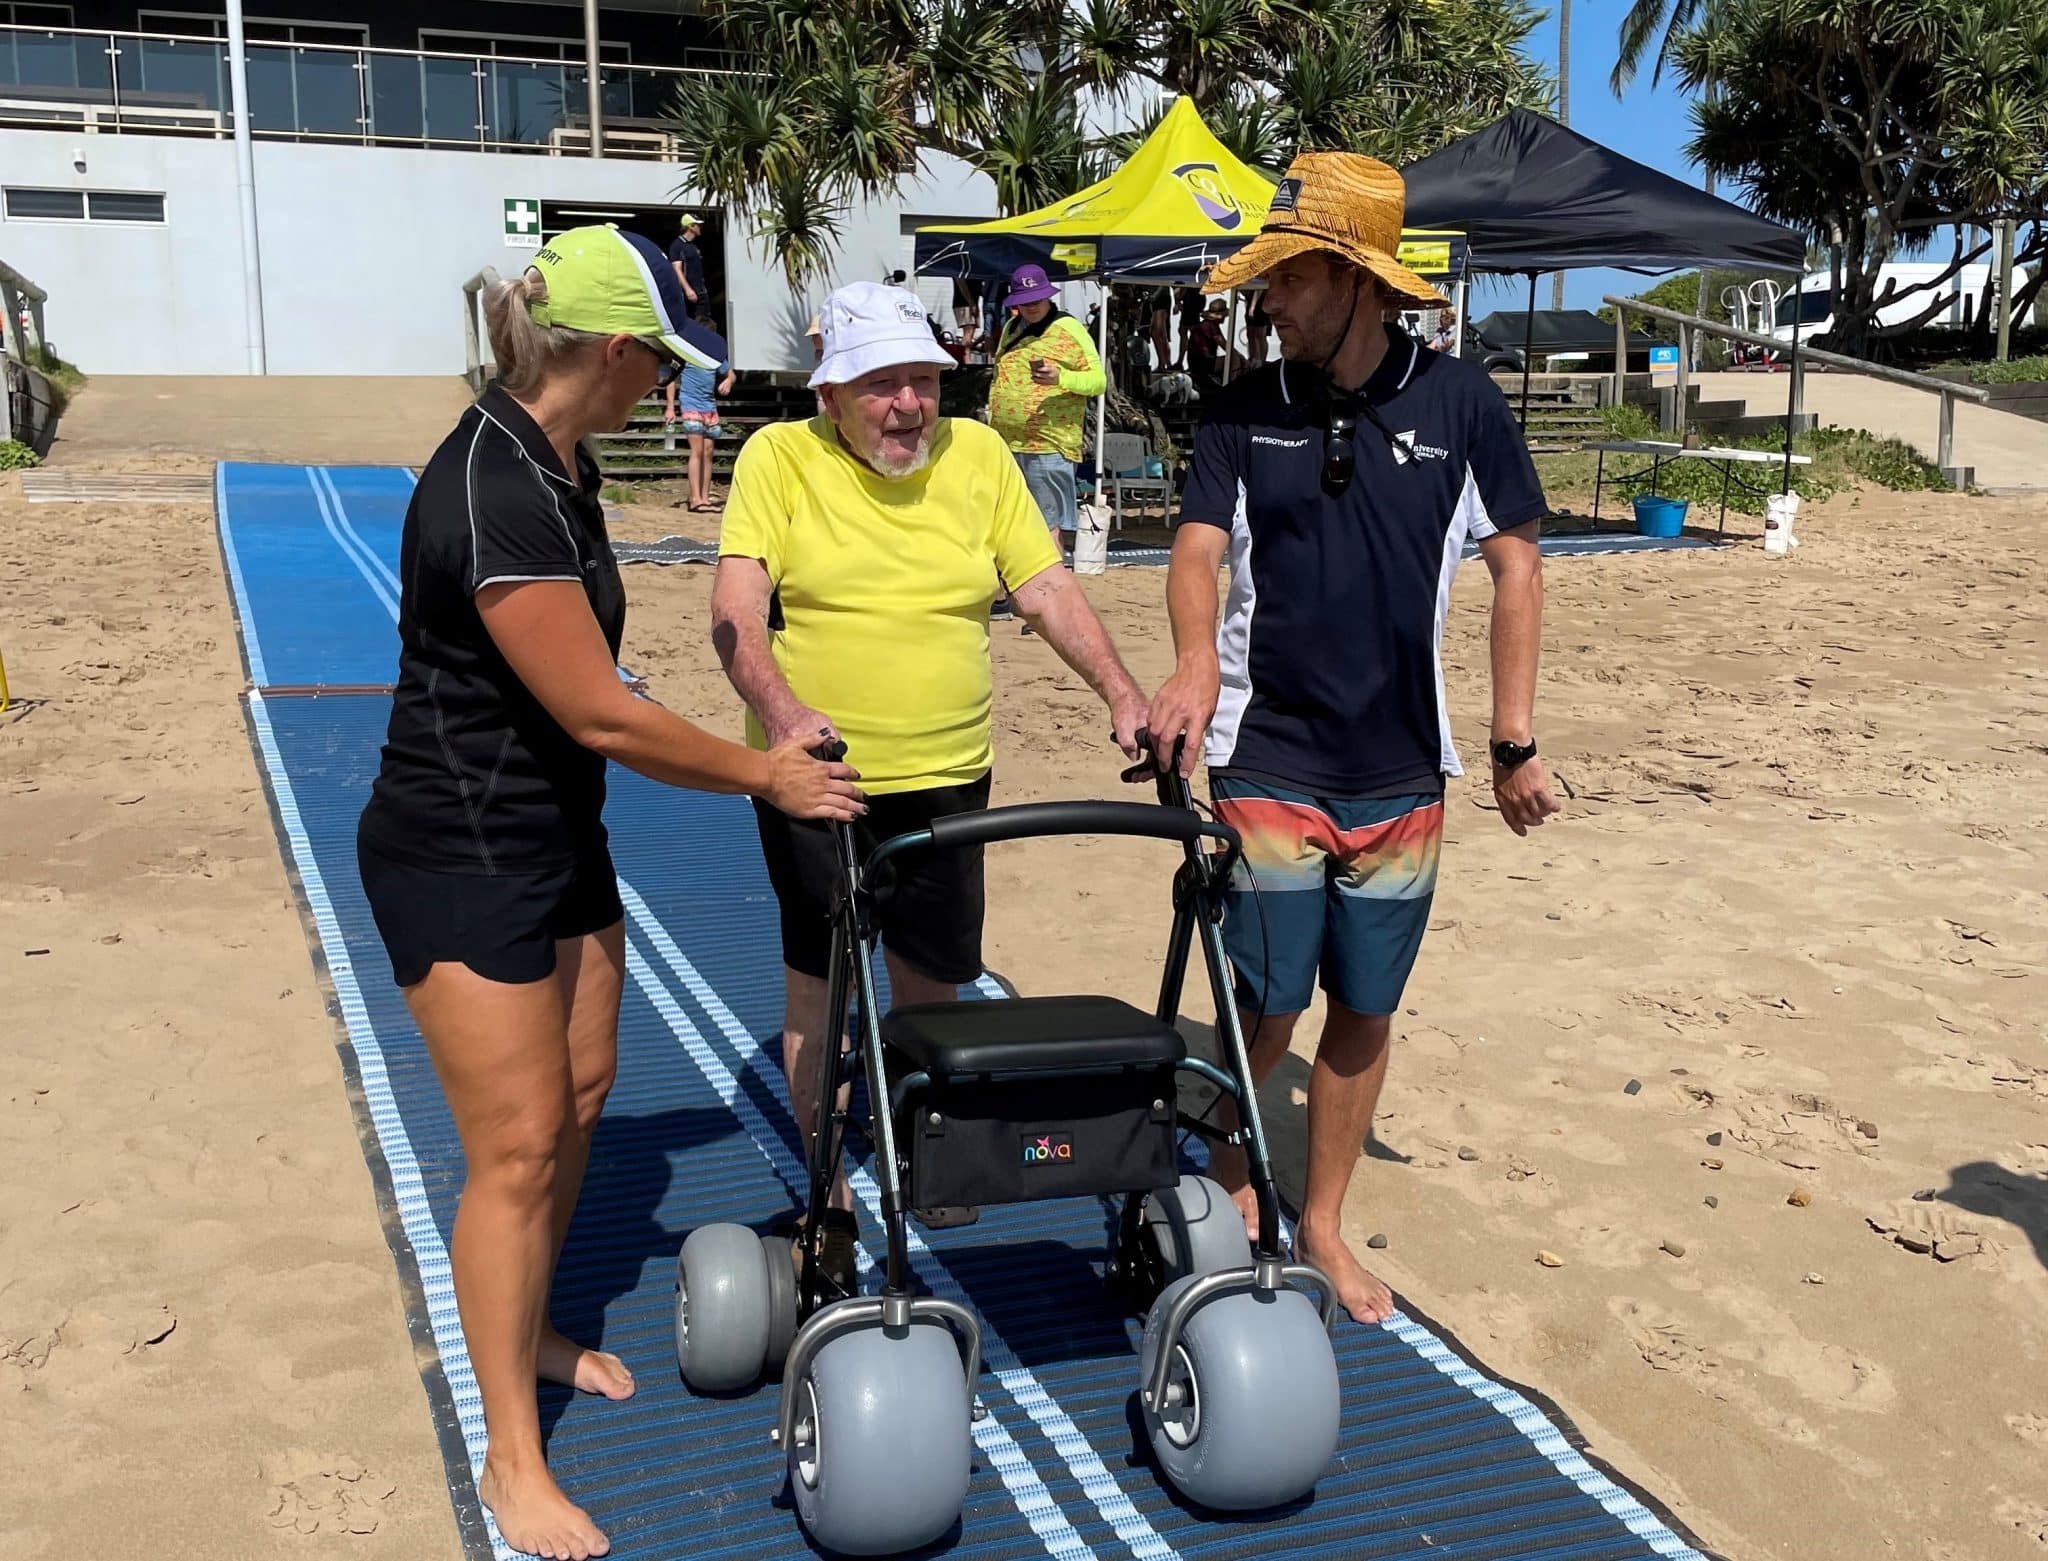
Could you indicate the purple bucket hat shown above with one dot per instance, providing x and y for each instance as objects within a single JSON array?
[{"x": 1029, "y": 286}]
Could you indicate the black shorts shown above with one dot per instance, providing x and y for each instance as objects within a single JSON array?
[
  {"x": 929, "y": 910},
  {"x": 503, "y": 926}
]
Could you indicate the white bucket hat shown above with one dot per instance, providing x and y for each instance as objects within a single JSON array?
[{"x": 869, "y": 326}]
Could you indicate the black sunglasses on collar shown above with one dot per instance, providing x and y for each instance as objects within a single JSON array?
[{"x": 1340, "y": 427}]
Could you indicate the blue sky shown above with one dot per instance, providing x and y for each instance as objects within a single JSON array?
[{"x": 1648, "y": 125}]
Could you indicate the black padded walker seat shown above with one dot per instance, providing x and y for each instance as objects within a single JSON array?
[{"x": 1026, "y": 1036}]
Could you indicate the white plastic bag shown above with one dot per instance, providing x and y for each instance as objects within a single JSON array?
[
  {"x": 1781, "y": 510},
  {"x": 1091, "y": 539}
]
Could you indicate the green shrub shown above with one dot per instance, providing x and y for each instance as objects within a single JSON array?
[
  {"x": 1864, "y": 457},
  {"x": 2017, "y": 371},
  {"x": 1628, "y": 421},
  {"x": 66, "y": 381},
  {"x": 16, "y": 456}
]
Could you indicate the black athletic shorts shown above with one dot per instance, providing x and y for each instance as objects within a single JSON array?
[
  {"x": 929, "y": 911},
  {"x": 502, "y": 925}
]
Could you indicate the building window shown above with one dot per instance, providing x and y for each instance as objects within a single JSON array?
[
  {"x": 518, "y": 46},
  {"x": 84, "y": 205},
  {"x": 48, "y": 205},
  {"x": 260, "y": 29},
  {"x": 19, "y": 13},
  {"x": 123, "y": 206}
]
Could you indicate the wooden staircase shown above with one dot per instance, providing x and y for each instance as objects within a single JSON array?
[
  {"x": 646, "y": 451},
  {"x": 1564, "y": 411}
]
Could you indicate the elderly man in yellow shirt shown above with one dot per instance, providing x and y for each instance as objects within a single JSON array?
[{"x": 882, "y": 531}]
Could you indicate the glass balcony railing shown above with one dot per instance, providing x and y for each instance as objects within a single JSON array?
[{"x": 60, "y": 77}]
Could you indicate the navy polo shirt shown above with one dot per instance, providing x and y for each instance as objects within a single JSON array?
[
  {"x": 1329, "y": 649},
  {"x": 691, "y": 259}
]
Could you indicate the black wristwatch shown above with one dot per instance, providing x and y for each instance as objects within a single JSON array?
[{"x": 1508, "y": 756}]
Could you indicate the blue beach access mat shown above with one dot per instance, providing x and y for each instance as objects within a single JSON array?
[
  {"x": 1437, "y": 1459},
  {"x": 1123, "y": 552}
]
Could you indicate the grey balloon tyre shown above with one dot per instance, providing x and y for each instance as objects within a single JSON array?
[
  {"x": 1196, "y": 1229},
  {"x": 883, "y": 1447},
  {"x": 722, "y": 1306},
  {"x": 781, "y": 1265},
  {"x": 1257, "y": 1414}
]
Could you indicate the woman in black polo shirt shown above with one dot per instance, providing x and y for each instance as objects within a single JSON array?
[{"x": 483, "y": 850}]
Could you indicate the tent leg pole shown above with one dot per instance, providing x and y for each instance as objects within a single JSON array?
[
  {"x": 1620, "y": 357},
  {"x": 1458, "y": 319},
  {"x": 1528, "y": 353},
  {"x": 1685, "y": 346},
  {"x": 1102, "y": 403},
  {"x": 1791, "y": 402}
]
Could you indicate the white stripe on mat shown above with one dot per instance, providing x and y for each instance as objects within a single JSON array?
[
  {"x": 363, "y": 552},
  {"x": 1082, "y": 1461},
  {"x": 254, "y": 647},
  {"x": 367, "y": 563},
  {"x": 1526, "y": 1418},
  {"x": 1026, "y": 1489},
  {"x": 430, "y": 1256}
]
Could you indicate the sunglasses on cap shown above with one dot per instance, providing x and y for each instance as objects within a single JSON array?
[{"x": 1340, "y": 429}]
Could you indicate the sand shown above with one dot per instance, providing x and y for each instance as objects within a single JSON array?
[
  {"x": 1796, "y": 898},
  {"x": 202, "y": 1347}
]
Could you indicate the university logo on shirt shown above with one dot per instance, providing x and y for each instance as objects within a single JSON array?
[{"x": 1406, "y": 449}]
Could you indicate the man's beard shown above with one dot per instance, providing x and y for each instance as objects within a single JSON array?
[
  {"x": 1309, "y": 349},
  {"x": 894, "y": 466}
]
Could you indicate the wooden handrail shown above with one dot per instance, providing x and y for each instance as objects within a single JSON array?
[
  {"x": 1949, "y": 391},
  {"x": 473, "y": 334}
]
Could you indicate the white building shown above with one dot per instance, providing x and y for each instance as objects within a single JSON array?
[{"x": 396, "y": 151}]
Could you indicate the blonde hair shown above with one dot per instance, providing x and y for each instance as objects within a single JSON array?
[{"x": 527, "y": 352}]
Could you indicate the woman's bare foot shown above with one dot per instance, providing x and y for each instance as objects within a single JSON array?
[
  {"x": 587, "y": 1371},
  {"x": 535, "y": 1517},
  {"x": 1364, "y": 1297}
]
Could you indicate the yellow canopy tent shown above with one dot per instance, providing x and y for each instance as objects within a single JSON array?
[
  {"x": 1177, "y": 207},
  {"x": 1180, "y": 204}
]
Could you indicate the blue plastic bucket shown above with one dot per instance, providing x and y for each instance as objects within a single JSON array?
[{"x": 1657, "y": 517}]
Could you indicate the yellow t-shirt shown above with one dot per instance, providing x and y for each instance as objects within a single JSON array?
[{"x": 885, "y": 587}]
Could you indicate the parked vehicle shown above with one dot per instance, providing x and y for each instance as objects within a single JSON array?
[{"x": 1814, "y": 304}]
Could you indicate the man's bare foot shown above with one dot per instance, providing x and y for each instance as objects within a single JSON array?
[
  {"x": 536, "y": 1518},
  {"x": 587, "y": 1371},
  {"x": 1230, "y": 1170},
  {"x": 1364, "y": 1297}
]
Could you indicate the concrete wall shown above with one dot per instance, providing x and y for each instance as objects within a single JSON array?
[{"x": 364, "y": 250}]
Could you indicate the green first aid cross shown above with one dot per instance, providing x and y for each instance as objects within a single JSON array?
[{"x": 522, "y": 222}]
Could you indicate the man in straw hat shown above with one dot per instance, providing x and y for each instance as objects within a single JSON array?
[
  {"x": 1343, "y": 482},
  {"x": 880, "y": 530}
]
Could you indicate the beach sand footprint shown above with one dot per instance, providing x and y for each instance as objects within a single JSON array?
[
  {"x": 1770, "y": 1340},
  {"x": 1937, "y": 1230},
  {"x": 323, "y": 1493},
  {"x": 2029, "y": 1427},
  {"x": 1665, "y": 1342},
  {"x": 2028, "y": 1517}
]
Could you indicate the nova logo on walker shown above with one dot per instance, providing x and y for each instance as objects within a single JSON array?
[{"x": 1043, "y": 1149}]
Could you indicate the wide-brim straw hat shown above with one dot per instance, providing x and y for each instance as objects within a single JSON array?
[{"x": 1339, "y": 202}]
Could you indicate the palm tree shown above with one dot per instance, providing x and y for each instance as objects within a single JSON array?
[
  {"x": 1648, "y": 19},
  {"x": 851, "y": 92},
  {"x": 1644, "y": 21}
]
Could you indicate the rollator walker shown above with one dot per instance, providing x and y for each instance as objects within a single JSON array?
[{"x": 981, "y": 1103}]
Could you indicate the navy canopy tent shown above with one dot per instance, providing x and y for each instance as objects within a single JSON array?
[{"x": 1532, "y": 195}]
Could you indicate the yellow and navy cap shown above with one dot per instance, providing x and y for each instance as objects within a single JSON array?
[{"x": 613, "y": 283}]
